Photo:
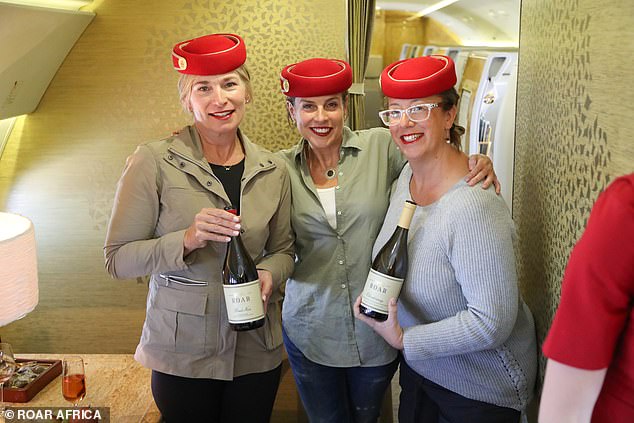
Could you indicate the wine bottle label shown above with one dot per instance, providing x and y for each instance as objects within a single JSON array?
[
  {"x": 244, "y": 302},
  {"x": 378, "y": 290}
]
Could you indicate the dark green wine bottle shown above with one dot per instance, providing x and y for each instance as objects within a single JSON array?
[
  {"x": 389, "y": 269},
  {"x": 241, "y": 286}
]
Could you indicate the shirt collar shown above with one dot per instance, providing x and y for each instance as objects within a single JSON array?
[{"x": 189, "y": 144}]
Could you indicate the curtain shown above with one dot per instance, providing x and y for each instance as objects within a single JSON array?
[{"x": 360, "y": 22}]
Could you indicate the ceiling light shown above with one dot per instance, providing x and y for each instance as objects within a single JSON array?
[{"x": 433, "y": 8}]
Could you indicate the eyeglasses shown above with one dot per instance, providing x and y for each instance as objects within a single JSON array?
[{"x": 415, "y": 113}]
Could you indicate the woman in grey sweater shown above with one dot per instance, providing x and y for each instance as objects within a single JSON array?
[{"x": 467, "y": 338}]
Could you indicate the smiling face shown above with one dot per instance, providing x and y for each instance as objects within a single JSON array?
[
  {"x": 319, "y": 119},
  {"x": 416, "y": 139},
  {"x": 217, "y": 102}
]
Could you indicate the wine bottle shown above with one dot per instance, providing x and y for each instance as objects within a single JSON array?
[
  {"x": 388, "y": 269},
  {"x": 241, "y": 286}
]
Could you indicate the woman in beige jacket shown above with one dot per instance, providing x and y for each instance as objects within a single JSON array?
[{"x": 169, "y": 221}]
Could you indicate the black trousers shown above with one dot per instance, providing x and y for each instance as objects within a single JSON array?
[
  {"x": 245, "y": 399},
  {"x": 423, "y": 401}
]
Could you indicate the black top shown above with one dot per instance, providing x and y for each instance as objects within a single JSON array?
[{"x": 230, "y": 177}]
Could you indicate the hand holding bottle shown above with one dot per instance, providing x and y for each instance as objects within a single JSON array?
[
  {"x": 266, "y": 286},
  {"x": 389, "y": 329},
  {"x": 210, "y": 225}
]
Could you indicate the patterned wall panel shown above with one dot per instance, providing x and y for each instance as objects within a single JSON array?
[
  {"x": 572, "y": 131},
  {"x": 117, "y": 89}
]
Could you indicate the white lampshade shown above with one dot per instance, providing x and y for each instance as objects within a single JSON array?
[{"x": 18, "y": 268}]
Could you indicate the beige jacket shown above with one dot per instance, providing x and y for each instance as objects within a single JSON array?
[{"x": 186, "y": 332}]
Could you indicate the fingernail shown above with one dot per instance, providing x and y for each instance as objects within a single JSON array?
[
  {"x": 236, "y": 233},
  {"x": 227, "y": 239},
  {"x": 237, "y": 226}
]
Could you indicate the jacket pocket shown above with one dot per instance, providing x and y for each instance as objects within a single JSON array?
[
  {"x": 177, "y": 321},
  {"x": 181, "y": 280}
]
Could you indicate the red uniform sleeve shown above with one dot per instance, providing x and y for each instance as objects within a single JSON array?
[{"x": 598, "y": 285}]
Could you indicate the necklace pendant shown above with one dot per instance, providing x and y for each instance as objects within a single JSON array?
[{"x": 330, "y": 173}]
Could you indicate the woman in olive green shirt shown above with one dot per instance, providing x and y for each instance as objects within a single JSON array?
[{"x": 340, "y": 185}]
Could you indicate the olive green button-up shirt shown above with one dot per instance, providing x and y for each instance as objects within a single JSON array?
[{"x": 332, "y": 264}]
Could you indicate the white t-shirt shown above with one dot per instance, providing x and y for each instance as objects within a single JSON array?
[{"x": 327, "y": 198}]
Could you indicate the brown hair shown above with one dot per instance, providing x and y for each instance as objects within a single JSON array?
[
  {"x": 450, "y": 99},
  {"x": 186, "y": 82}
]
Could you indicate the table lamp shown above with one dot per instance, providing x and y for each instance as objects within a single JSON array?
[{"x": 18, "y": 268}]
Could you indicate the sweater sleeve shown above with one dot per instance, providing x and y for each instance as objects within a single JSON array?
[{"x": 478, "y": 235}]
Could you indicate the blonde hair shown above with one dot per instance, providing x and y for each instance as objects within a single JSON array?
[{"x": 186, "y": 82}]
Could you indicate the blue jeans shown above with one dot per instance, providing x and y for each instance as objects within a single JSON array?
[{"x": 339, "y": 394}]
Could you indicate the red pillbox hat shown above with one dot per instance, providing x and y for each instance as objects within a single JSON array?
[
  {"x": 316, "y": 77},
  {"x": 418, "y": 77},
  {"x": 209, "y": 55}
]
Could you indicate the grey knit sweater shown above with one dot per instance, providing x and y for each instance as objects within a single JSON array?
[{"x": 466, "y": 326}]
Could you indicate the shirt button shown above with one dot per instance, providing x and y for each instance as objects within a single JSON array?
[
  {"x": 340, "y": 261},
  {"x": 339, "y": 213},
  {"x": 182, "y": 164},
  {"x": 340, "y": 173},
  {"x": 170, "y": 157},
  {"x": 343, "y": 286},
  {"x": 208, "y": 183}
]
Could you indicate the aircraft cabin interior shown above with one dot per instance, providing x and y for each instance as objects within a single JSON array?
[{"x": 543, "y": 89}]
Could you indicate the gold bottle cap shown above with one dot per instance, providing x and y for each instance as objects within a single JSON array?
[{"x": 406, "y": 215}]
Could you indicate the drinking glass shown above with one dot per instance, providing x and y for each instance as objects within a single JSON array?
[
  {"x": 73, "y": 379},
  {"x": 7, "y": 367}
]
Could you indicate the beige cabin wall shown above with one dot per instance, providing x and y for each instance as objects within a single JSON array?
[{"x": 117, "y": 89}]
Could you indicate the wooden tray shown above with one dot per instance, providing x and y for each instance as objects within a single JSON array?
[{"x": 36, "y": 385}]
